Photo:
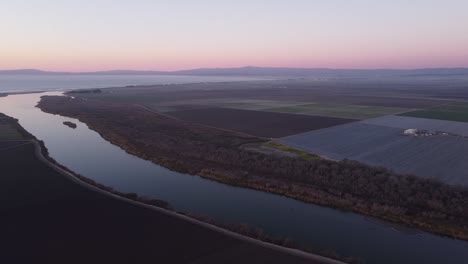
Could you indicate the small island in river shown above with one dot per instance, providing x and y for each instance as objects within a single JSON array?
[
  {"x": 249, "y": 161},
  {"x": 70, "y": 124}
]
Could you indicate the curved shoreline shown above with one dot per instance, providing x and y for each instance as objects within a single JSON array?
[
  {"x": 315, "y": 195},
  {"x": 72, "y": 177}
]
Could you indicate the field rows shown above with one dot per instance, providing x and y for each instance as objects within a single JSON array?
[{"x": 440, "y": 157}]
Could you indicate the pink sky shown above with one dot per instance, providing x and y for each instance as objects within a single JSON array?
[{"x": 150, "y": 35}]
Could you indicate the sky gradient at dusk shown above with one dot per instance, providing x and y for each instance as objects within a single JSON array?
[{"x": 91, "y": 35}]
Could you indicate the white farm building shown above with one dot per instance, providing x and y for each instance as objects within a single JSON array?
[{"x": 411, "y": 132}]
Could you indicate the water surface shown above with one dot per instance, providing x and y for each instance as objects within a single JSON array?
[{"x": 349, "y": 234}]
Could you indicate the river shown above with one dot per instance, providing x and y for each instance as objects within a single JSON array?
[{"x": 85, "y": 152}]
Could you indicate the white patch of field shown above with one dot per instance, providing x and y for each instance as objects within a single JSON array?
[{"x": 404, "y": 122}]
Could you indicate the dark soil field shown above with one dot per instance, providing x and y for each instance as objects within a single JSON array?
[
  {"x": 46, "y": 218},
  {"x": 258, "y": 123}
]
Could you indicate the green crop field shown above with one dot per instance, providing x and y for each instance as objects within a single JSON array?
[
  {"x": 340, "y": 110},
  {"x": 452, "y": 112}
]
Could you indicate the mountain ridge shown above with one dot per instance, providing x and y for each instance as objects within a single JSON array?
[{"x": 256, "y": 71}]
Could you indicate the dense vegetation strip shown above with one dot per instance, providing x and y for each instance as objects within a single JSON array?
[{"x": 219, "y": 155}]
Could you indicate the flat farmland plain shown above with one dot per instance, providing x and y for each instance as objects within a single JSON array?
[
  {"x": 285, "y": 106},
  {"x": 440, "y": 157},
  {"x": 351, "y": 92},
  {"x": 257, "y": 123}
]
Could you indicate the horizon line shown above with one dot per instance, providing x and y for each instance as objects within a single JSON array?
[{"x": 241, "y": 67}]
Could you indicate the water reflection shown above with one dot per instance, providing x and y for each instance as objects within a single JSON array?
[{"x": 86, "y": 153}]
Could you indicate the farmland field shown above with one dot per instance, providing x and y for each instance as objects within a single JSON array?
[
  {"x": 452, "y": 112},
  {"x": 268, "y": 94},
  {"x": 340, "y": 110},
  {"x": 285, "y": 106},
  {"x": 246, "y": 104},
  {"x": 440, "y": 157},
  {"x": 257, "y": 123},
  {"x": 404, "y": 122}
]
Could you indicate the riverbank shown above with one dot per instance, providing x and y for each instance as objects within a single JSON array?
[
  {"x": 216, "y": 155},
  {"x": 68, "y": 211}
]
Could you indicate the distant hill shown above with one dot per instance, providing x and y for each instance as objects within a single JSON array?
[
  {"x": 263, "y": 71},
  {"x": 124, "y": 72},
  {"x": 113, "y": 72},
  {"x": 24, "y": 72}
]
